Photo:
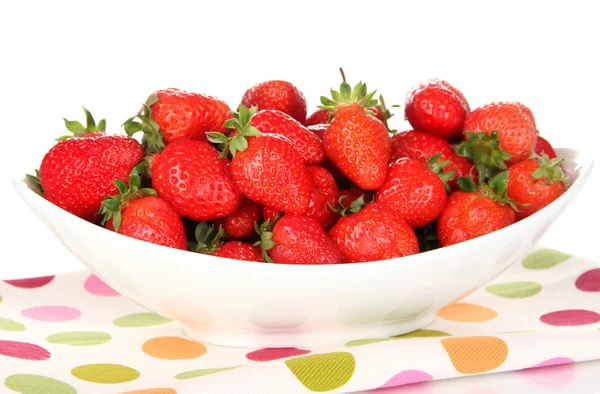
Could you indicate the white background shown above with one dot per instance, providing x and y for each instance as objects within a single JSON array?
[
  {"x": 57, "y": 56},
  {"x": 109, "y": 56}
]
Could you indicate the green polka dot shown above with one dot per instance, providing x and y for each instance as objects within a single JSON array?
[
  {"x": 0, "y": 299},
  {"x": 79, "y": 338},
  {"x": 36, "y": 384},
  {"x": 323, "y": 372},
  {"x": 423, "y": 334},
  {"x": 361, "y": 342},
  {"x": 10, "y": 325},
  {"x": 141, "y": 320},
  {"x": 201, "y": 372},
  {"x": 544, "y": 258},
  {"x": 105, "y": 373},
  {"x": 514, "y": 289}
]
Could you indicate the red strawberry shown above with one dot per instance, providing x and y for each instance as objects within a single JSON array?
[
  {"x": 438, "y": 108},
  {"x": 318, "y": 130},
  {"x": 299, "y": 240},
  {"x": 475, "y": 212},
  {"x": 78, "y": 173},
  {"x": 348, "y": 196},
  {"x": 516, "y": 131},
  {"x": 357, "y": 143},
  {"x": 267, "y": 168},
  {"x": 323, "y": 193},
  {"x": 543, "y": 146},
  {"x": 535, "y": 183},
  {"x": 239, "y": 251},
  {"x": 172, "y": 114},
  {"x": 320, "y": 116},
  {"x": 417, "y": 193},
  {"x": 136, "y": 212},
  {"x": 91, "y": 129},
  {"x": 279, "y": 95},
  {"x": 527, "y": 112},
  {"x": 305, "y": 141},
  {"x": 191, "y": 176},
  {"x": 270, "y": 213},
  {"x": 423, "y": 146},
  {"x": 374, "y": 233},
  {"x": 240, "y": 224}
]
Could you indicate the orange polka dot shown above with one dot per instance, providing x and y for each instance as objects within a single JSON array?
[
  {"x": 152, "y": 391},
  {"x": 463, "y": 312},
  {"x": 475, "y": 354},
  {"x": 173, "y": 348}
]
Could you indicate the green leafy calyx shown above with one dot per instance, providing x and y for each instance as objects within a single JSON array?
[
  {"x": 240, "y": 122},
  {"x": 435, "y": 165},
  {"x": 265, "y": 232},
  {"x": 386, "y": 114},
  {"x": 549, "y": 169},
  {"x": 484, "y": 151},
  {"x": 348, "y": 96},
  {"x": 79, "y": 130},
  {"x": 355, "y": 206},
  {"x": 142, "y": 121},
  {"x": 35, "y": 182},
  {"x": 208, "y": 238},
  {"x": 113, "y": 206}
]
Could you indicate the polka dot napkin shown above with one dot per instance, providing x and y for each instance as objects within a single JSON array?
[{"x": 73, "y": 334}]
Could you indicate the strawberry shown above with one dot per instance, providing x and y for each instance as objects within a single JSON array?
[
  {"x": 543, "y": 146},
  {"x": 374, "y": 233},
  {"x": 270, "y": 213},
  {"x": 417, "y": 193},
  {"x": 324, "y": 192},
  {"x": 91, "y": 129},
  {"x": 318, "y": 130},
  {"x": 423, "y": 146},
  {"x": 516, "y": 131},
  {"x": 171, "y": 114},
  {"x": 208, "y": 241},
  {"x": 320, "y": 116},
  {"x": 535, "y": 183},
  {"x": 267, "y": 168},
  {"x": 240, "y": 224},
  {"x": 138, "y": 213},
  {"x": 76, "y": 174},
  {"x": 298, "y": 240},
  {"x": 348, "y": 196},
  {"x": 356, "y": 142},
  {"x": 476, "y": 211},
  {"x": 191, "y": 176},
  {"x": 239, "y": 251},
  {"x": 436, "y": 107},
  {"x": 305, "y": 141},
  {"x": 278, "y": 95}
]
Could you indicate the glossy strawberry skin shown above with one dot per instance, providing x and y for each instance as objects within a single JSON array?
[
  {"x": 240, "y": 224},
  {"x": 181, "y": 114},
  {"x": 239, "y": 251},
  {"x": 323, "y": 192},
  {"x": 414, "y": 192},
  {"x": 320, "y": 116},
  {"x": 360, "y": 146},
  {"x": 305, "y": 141},
  {"x": 154, "y": 220},
  {"x": 272, "y": 172},
  {"x": 469, "y": 215},
  {"x": 543, "y": 146},
  {"x": 438, "y": 108},
  {"x": 422, "y": 146},
  {"x": 78, "y": 173},
  {"x": 279, "y": 95},
  {"x": 190, "y": 175},
  {"x": 516, "y": 131},
  {"x": 532, "y": 194},
  {"x": 318, "y": 130},
  {"x": 302, "y": 240},
  {"x": 375, "y": 233}
]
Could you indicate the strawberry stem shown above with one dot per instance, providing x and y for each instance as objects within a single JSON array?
[
  {"x": 437, "y": 167},
  {"x": 484, "y": 151},
  {"x": 240, "y": 121},
  {"x": 549, "y": 169},
  {"x": 353, "y": 208},
  {"x": 153, "y": 138},
  {"x": 348, "y": 96},
  {"x": 207, "y": 239},
  {"x": 386, "y": 114},
  {"x": 79, "y": 130},
  {"x": 265, "y": 232}
]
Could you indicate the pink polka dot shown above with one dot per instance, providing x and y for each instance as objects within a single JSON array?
[
  {"x": 556, "y": 372},
  {"x": 96, "y": 286},
  {"x": 554, "y": 361},
  {"x": 589, "y": 281},
  {"x": 23, "y": 350},
  {"x": 570, "y": 317},
  {"x": 52, "y": 313},
  {"x": 409, "y": 376},
  {"x": 275, "y": 354},
  {"x": 31, "y": 283}
]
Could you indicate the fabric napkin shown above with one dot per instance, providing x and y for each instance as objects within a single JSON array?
[{"x": 73, "y": 334}]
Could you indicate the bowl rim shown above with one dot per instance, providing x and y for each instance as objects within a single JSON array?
[{"x": 585, "y": 163}]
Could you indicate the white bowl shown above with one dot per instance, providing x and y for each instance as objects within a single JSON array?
[{"x": 240, "y": 303}]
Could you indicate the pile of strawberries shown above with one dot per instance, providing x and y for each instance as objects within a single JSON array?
[{"x": 265, "y": 182}]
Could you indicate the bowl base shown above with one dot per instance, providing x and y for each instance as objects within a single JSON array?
[{"x": 297, "y": 339}]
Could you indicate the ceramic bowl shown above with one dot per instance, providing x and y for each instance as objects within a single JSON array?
[{"x": 239, "y": 303}]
